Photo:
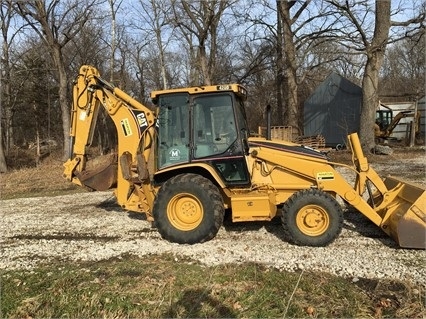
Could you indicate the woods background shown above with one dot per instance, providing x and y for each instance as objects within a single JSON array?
[{"x": 280, "y": 50}]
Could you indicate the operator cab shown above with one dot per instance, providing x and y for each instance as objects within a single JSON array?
[
  {"x": 204, "y": 125},
  {"x": 383, "y": 119}
]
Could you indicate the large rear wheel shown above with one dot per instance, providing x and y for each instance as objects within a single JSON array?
[
  {"x": 188, "y": 209},
  {"x": 311, "y": 218}
]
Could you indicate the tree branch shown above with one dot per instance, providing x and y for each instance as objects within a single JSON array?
[
  {"x": 419, "y": 19},
  {"x": 299, "y": 12}
]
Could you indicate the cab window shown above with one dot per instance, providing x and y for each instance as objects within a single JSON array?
[
  {"x": 214, "y": 125},
  {"x": 174, "y": 134}
]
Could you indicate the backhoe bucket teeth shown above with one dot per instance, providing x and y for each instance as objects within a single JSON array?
[
  {"x": 102, "y": 176},
  {"x": 406, "y": 223}
]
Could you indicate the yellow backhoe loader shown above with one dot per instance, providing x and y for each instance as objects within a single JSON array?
[{"x": 191, "y": 159}]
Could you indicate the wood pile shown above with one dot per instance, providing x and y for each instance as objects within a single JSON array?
[
  {"x": 288, "y": 133},
  {"x": 316, "y": 141},
  {"x": 284, "y": 133}
]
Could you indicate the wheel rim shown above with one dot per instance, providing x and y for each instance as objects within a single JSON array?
[
  {"x": 312, "y": 220},
  {"x": 185, "y": 212}
]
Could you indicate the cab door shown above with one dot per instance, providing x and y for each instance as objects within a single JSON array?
[
  {"x": 174, "y": 130},
  {"x": 218, "y": 134}
]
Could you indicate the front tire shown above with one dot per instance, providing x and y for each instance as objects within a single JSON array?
[
  {"x": 188, "y": 209},
  {"x": 311, "y": 218}
]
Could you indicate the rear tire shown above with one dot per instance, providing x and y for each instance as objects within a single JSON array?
[
  {"x": 188, "y": 209},
  {"x": 311, "y": 218}
]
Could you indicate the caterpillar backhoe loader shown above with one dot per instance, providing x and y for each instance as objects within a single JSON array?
[{"x": 192, "y": 158}]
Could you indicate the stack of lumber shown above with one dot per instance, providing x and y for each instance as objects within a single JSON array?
[
  {"x": 284, "y": 133},
  {"x": 315, "y": 141}
]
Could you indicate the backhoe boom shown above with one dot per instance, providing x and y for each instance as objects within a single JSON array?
[{"x": 136, "y": 131}]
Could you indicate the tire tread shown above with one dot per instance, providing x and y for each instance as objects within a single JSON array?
[
  {"x": 291, "y": 233},
  {"x": 216, "y": 207}
]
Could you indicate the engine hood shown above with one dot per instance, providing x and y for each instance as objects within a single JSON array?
[{"x": 285, "y": 146}]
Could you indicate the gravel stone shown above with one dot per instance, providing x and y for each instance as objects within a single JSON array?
[{"x": 91, "y": 227}]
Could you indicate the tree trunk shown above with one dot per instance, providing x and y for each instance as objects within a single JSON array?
[
  {"x": 6, "y": 126},
  {"x": 290, "y": 77},
  {"x": 3, "y": 165},
  {"x": 63, "y": 96},
  {"x": 140, "y": 75},
  {"x": 161, "y": 58},
  {"x": 280, "y": 67},
  {"x": 113, "y": 41},
  {"x": 370, "y": 81},
  {"x": 202, "y": 59},
  {"x": 370, "y": 102},
  {"x": 193, "y": 67}
]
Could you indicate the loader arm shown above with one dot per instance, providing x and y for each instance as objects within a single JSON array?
[
  {"x": 400, "y": 205},
  {"x": 136, "y": 134},
  {"x": 321, "y": 174},
  {"x": 398, "y": 208}
]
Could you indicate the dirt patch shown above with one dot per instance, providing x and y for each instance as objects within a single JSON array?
[{"x": 406, "y": 163}]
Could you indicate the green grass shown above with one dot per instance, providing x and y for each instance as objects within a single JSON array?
[{"x": 162, "y": 286}]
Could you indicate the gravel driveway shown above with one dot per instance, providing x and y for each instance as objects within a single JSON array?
[{"x": 91, "y": 227}]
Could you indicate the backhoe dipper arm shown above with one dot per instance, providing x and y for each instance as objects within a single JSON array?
[{"x": 136, "y": 131}]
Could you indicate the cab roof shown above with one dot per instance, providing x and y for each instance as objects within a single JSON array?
[{"x": 236, "y": 88}]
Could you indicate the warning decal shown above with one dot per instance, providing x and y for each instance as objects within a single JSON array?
[
  {"x": 126, "y": 127},
  {"x": 325, "y": 176},
  {"x": 82, "y": 116}
]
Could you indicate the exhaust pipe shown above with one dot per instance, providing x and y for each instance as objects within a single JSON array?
[{"x": 268, "y": 122}]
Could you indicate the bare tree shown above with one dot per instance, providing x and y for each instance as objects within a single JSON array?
[
  {"x": 404, "y": 68},
  {"x": 299, "y": 28},
  {"x": 114, "y": 6},
  {"x": 6, "y": 14},
  {"x": 201, "y": 20},
  {"x": 287, "y": 85},
  {"x": 156, "y": 16},
  {"x": 375, "y": 51},
  {"x": 359, "y": 38},
  {"x": 57, "y": 23},
  {"x": 89, "y": 46}
]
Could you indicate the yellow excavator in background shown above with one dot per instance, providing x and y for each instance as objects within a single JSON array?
[
  {"x": 386, "y": 122},
  {"x": 189, "y": 160}
]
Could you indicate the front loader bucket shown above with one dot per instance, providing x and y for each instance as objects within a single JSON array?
[
  {"x": 406, "y": 214},
  {"x": 103, "y": 174}
]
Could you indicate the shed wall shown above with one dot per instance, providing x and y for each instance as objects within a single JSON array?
[{"x": 333, "y": 110}]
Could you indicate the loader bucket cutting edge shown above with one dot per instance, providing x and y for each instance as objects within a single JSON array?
[
  {"x": 102, "y": 177},
  {"x": 407, "y": 221}
]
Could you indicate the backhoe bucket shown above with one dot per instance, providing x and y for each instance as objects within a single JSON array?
[
  {"x": 406, "y": 222},
  {"x": 102, "y": 175}
]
